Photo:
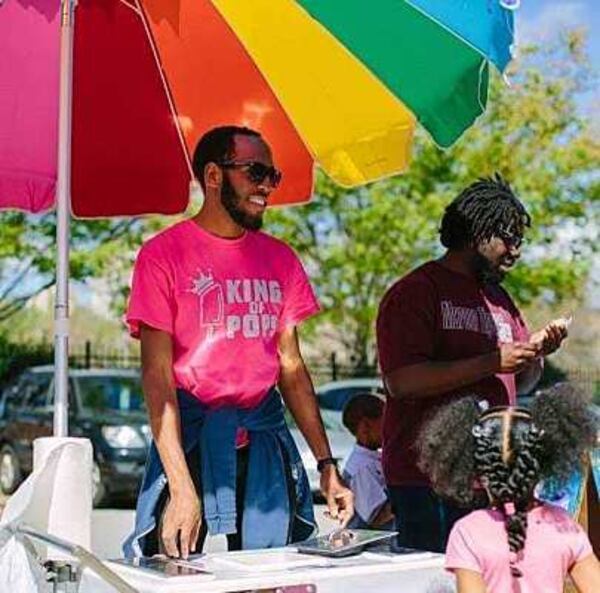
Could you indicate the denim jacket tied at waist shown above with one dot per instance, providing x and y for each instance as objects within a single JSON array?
[{"x": 268, "y": 520}]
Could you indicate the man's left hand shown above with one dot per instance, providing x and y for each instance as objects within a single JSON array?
[
  {"x": 340, "y": 500},
  {"x": 549, "y": 338}
]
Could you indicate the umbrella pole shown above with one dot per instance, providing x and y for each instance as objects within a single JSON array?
[{"x": 61, "y": 305}]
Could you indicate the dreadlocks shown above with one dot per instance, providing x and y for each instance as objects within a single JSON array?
[{"x": 480, "y": 211}]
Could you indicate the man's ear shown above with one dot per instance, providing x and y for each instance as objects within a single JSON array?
[{"x": 213, "y": 175}]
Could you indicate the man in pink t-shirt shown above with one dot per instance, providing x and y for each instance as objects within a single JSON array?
[
  {"x": 449, "y": 329},
  {"x": 215, "y": 303}
]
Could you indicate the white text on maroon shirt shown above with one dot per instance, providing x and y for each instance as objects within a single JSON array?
[{"x": 477, "y": 319}]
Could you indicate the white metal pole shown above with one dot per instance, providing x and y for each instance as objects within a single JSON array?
[{"x": 63, "y": 205}]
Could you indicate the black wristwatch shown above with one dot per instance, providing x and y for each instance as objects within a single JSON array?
[{"x": 321, "y": 463}]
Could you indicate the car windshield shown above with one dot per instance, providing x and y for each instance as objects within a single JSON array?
[
  {"x": 291, "y": 422},
  {"x": 335, "y": 398},
  {"x": 123, "y": 394}
]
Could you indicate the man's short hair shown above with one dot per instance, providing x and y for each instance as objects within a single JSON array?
[
  {"x": 216, "y": 146},
  {"x": 362, "y": 405},
  {"x": 481, "y": 210}
]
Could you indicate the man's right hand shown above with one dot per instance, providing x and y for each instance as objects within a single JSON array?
[
  {"x": 514, "y": 356},
  {"x": 181, "y": 523}
]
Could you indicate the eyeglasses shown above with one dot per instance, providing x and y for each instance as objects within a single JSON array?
[
  {"x": 255, "y": 171},
  {"x": 509, "y": 239}
]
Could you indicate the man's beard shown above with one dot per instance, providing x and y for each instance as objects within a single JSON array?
[
  {"x": 485, "y": 272},
  {"x": 231, "y": 201}
]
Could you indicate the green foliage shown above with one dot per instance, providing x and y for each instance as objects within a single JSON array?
[
  {"x": 15, "y": 357},
  {"x": 355, "y": 243},
  {"x": 99, "y": 248}
]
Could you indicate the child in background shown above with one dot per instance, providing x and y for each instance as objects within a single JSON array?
[
  {"x": 517, "y": 544},
  {"x": 363, "y": 473}
]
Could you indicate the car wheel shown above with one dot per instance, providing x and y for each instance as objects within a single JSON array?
[
  {"x": 10, "y": 470},
  {"x": 98, "y": 487}
]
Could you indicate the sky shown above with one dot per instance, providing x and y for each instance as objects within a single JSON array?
[{"x": 542, "y": 19}]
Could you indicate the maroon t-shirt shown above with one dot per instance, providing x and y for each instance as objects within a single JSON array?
[{"x": 435, "y": 314}]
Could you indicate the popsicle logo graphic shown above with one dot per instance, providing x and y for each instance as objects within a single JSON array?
[
  {"x": 211, "y": 305},
  {"x": 245, "y": 307}
]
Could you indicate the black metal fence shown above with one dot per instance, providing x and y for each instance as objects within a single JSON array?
[
  {"x": 329, "y": 368},
  {"x": 90, "y": 356},
  {"x": 322, "y": 369}
]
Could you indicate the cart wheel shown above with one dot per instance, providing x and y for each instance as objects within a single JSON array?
[
  {"x": 10, "y": 470},
  {"x": 98, "y": 487}
]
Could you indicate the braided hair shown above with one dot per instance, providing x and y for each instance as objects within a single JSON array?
[
  {"x": 480, "y": 211},
  {"x": 507, "y": 451}
]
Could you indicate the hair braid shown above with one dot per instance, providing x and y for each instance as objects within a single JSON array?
[{"x": 510, "y": 483}]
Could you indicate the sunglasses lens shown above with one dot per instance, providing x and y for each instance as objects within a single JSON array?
[
  {"x": 257, "y": 173},
  {"x": 276, "y": 178},
  {"x": 511, "y": 240}
]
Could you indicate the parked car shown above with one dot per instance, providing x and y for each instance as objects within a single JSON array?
[
  {"x": 332, "y": 398},
  {"x": 105, "y": 406}
]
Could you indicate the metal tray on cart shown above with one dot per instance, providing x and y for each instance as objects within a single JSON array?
[{"x": 343, "y": 542}]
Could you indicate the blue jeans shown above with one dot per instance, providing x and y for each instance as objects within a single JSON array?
[{"x": 423, "y": 519}]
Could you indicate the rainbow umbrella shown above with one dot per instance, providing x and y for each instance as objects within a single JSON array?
[{"x": 101, "y": 118}]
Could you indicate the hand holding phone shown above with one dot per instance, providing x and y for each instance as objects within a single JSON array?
[{"x": 550, "y": 337}]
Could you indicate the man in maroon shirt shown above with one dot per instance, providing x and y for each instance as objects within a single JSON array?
[{"x": 449, "y": 329}]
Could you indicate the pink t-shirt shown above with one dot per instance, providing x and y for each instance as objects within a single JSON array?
[
  {"x": 554, "y": 544},
  {"x": 224, "y": 303}
]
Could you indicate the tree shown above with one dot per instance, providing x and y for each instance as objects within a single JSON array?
[
  {"x": 99, "y": 248},
  {"x": 356, "y": 243}
]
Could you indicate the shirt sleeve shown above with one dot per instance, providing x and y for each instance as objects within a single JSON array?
[
  {"x": 299, "y": 300},
  {"x": 459, "y": 551},
  {"x": 151, "y": 300},
  {"x": 369, "y": 496},
  {"x": 406, "y": 326},
  {"x": 581, "y": 547}
]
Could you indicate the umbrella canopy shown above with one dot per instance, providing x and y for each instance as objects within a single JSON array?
[
  {"x": 343, "y": 88},
  {"x": 104, "y": 121}
]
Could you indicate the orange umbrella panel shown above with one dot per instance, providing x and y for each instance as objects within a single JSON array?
[{"x": 213, "y": 81}]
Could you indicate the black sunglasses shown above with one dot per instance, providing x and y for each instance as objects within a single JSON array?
[
  {"x": 256, "y": 172},
  {"x": 509, "y": 239}
]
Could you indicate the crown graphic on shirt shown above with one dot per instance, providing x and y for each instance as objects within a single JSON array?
[{"x": 202, "y": 282}]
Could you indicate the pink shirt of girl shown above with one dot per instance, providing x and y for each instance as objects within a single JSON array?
[
  {"x": 554, "y": 543},
  {"x": 224, "y": 303}
]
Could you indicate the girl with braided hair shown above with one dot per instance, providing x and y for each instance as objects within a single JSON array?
[{"x": 516, "y": 543}]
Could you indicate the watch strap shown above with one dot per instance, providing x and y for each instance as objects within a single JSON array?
[{"x": 321, "y": 463}]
